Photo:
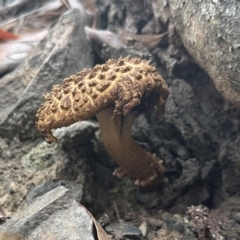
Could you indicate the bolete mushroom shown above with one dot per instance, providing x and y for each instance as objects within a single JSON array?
[{"x": 116, "y": 93}]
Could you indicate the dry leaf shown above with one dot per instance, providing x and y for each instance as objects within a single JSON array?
[
  {"x": 148, "y": 40},
  {"x": 10, "y": 236},
  {"x": 101, "y": 234},
  {"x": 5, "y": 35}
]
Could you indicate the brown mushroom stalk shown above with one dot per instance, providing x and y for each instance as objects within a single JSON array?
[
  {"x": 133, "y": 160},
  {"x": 116, "y": 92}
]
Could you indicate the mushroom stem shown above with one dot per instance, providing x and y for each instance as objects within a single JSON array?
[{"x": 134, "y": 161}]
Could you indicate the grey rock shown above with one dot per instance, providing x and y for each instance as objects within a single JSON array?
[
  {"x": 148, "y": 198},
  {"x": 75, "y": 188},
  {"x": 129, "y": 16},
  {"x": 55, "y": 215},
  {"x": 3, "y": 216},
  {"x": 43, "y": 156},
  {"x": 175, "y": 226},
  {"x": 34, "y": 163},
  {"x": 229, "y": 217},
  {"x": 104, "y": 220},
  {"x": 210, "y": 31},
  {"x": 5, "y": 151},
  {"x": 237, "y": 217},
  {"x": 77, "y": 134},
  {"x": 29, "y": 165},
  {"x": 65, "y": 51},
  {"x": 124, "y": 231}
]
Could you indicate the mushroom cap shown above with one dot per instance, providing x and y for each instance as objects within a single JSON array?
[{"x": 121, "y": 84}]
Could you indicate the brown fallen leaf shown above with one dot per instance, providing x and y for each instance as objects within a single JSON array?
[
  {"x": 101, "y": 234},
  {"x": 10, "y": 236},
  {"x": 149, "y": 41},
  {"x": 5, "y": 35}
]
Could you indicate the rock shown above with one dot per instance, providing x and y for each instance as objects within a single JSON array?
[
  {"x": 63, "y": 52},
  {"x": 128, "y": 16},
  {"x": 77, "y": 134},
  {"x": 3, "y": 216},
  {"x": 31, "y": 166},
  {"x": 124, "y": 231},
  {"x": 143, "y": 228},
  {"x": 104, "y": 220},
  {"x": 237, "y": 217},
  {"x": 173, "y": 227},
  {"x": 43, "y": 156},
  {"x": 55, "y": 215},
  {"x": 229, "y": 230},
  {"x": 210, "y": 33},
  {"x": 75, "y": 188},
  {"x": 148, "y": 198}
]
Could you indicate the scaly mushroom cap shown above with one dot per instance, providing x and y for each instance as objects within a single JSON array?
[{"x": 120, "y": 83}]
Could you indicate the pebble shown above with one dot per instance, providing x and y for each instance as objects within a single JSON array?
[
  {"x": 123, "y": 230},
  {"x": 237, "y": 217}
]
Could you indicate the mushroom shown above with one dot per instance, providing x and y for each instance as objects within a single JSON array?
[{"x": 116, "y": 93}]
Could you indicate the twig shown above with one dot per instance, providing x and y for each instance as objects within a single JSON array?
[{"x": 117, "y": 212}]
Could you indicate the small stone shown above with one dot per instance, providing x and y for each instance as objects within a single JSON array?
[
  {"x": 143, "y": 228},
  {"x": 104, "y": 220},
  {"x": 236, "y": 216},
  {"x": 123, "y": 230}
]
